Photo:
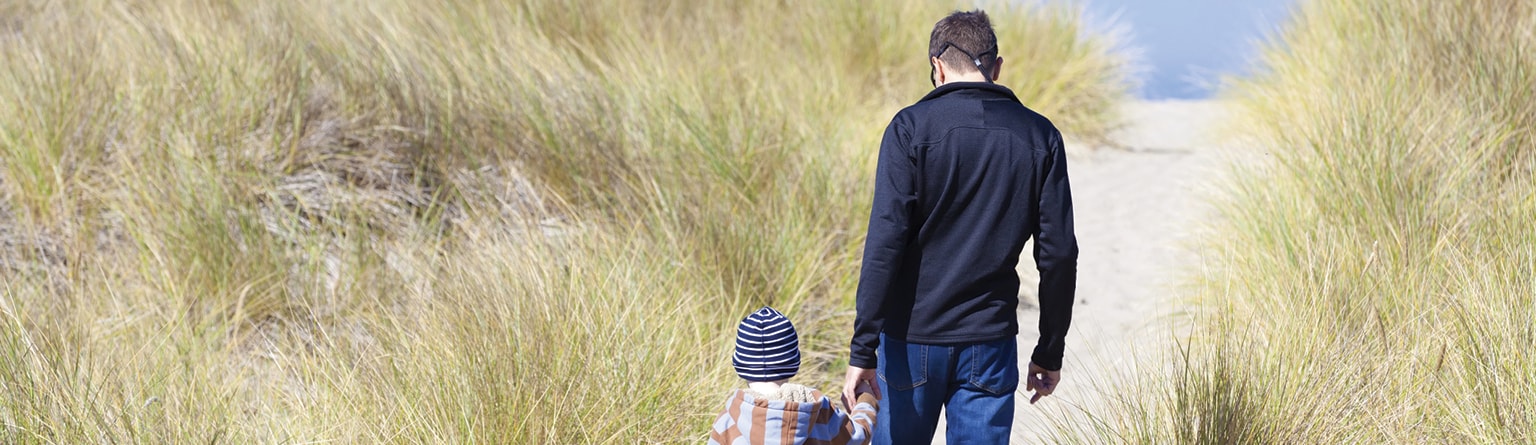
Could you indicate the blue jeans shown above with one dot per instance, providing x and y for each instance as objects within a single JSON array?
[{"x": 973, "y": 383}]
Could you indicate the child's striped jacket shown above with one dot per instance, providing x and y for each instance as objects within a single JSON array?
[{"x": 807, "y": 417}]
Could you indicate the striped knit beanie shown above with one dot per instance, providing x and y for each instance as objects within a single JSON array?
[{"x": 767, "y": 347}]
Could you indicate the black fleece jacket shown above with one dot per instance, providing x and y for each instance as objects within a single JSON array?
[{"x": 966, "y": 176}]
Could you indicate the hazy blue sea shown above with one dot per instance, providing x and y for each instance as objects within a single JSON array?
[{"x": 1187, "y": 45}]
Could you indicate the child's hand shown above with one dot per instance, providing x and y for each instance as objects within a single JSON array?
[{"x": 864, "y": 387}]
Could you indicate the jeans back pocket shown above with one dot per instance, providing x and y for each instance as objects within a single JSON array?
[
  {"x": 904, "y": 366},
  {"x": 994, "y": 366}
]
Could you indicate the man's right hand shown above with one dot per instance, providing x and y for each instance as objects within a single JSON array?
[
  {"x": 859, "y": 380},
  {"x": 1041, "y": 381}
]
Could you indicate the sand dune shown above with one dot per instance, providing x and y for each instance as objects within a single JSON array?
[{"x": 1137, "y": 208}]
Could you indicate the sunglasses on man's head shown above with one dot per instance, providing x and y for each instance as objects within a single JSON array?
[{"x": 933, "y": 70}]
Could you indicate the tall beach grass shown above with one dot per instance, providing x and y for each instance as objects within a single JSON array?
[
  {"x": 1372, "y": 279},
  {"x": 371, "y": 221}
]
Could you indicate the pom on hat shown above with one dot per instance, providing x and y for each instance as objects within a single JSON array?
[{"x": 767, "y": 347}]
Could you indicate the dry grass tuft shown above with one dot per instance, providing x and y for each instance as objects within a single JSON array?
[{"x": 1372, "y": 282}]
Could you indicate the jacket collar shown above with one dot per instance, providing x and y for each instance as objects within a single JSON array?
[
  {"x": 819, "y": 402},
  {"x": 981, "y": 87}
]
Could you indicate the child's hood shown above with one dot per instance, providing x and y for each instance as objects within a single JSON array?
[{"x": 793, "y": 415}]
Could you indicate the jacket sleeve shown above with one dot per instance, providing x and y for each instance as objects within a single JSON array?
[
  {"x": 858, "y": 427},
  {"x": 1055, "y": 256},
  {"x": 724, "y": 431},
  {"x": 889, "y": 231}
]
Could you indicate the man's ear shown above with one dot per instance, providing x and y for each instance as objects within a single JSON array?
[
  {"x": 997, "y": 67},
  {"x": 938, "y": 70}
]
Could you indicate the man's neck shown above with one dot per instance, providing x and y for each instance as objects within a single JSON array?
[{"x": 974, "y": 76}]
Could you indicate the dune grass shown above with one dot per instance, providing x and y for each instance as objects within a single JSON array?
[
  {"x": 1372, "y": 279},
  {"x": 494, "y": 222}
]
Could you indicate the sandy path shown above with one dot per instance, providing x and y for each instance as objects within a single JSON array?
[{"x": 1136, "y": 208}]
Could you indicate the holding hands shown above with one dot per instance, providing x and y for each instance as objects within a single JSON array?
[{"x": 859, "y": 381}]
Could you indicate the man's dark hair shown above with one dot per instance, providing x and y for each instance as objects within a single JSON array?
[{"x": 969, "y": 32}]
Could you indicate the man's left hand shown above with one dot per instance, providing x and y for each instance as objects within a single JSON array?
[{"x": 1042, "y": 381}]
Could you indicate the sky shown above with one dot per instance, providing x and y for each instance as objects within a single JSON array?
[{"x": 1186, "y": 45}]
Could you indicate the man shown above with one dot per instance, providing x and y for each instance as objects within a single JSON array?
[{"x": 965, "y": 176}]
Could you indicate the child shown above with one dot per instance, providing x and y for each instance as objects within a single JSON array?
[{"x": 771, "y": 411}]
